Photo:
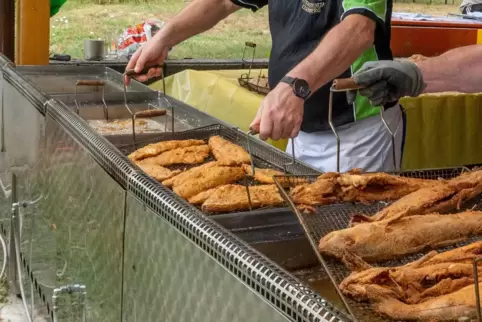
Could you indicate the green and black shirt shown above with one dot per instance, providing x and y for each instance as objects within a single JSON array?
[{"x": 297, "y": 27}]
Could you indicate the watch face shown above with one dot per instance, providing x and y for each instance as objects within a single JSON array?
[{"x": 301, "y": 88}]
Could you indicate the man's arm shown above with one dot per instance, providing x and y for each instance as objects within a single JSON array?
[
  {"x": 197, "y": 17},
  {"x": 458, "y": 70},
  {"x": 387, "y": 81},
  {"x": 337, "y": 51}
]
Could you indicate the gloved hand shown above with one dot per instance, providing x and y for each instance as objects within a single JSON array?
[{"x": 387, "y": 81}]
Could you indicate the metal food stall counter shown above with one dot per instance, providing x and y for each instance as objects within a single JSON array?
[
  {"x": 65, "y": 79},
  {"x": 98, "y": 238}
]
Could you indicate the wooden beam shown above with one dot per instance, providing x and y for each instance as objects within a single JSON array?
[
  {"x": 33, "y": 33},
  {"x": 7, "y": 28}
]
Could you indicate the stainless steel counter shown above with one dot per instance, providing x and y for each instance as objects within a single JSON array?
[{"x": 100, "y": 238}]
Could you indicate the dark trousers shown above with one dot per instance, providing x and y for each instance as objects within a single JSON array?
[{"x": 472, "y": 8}]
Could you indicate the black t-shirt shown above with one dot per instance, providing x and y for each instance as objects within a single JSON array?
[{"x": 297, "y": 27}]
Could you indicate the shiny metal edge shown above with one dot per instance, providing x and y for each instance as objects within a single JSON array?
[
  {"x": 105, "y": 154},
  {"x": 274, "y": 284},
  {"x": 88, "y": 71},
  {"x": 26, "y": 88},
  {"x": 4, "y": 61}
]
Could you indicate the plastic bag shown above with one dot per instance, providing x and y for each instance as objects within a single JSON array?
[{"x": 135, "y": 36}]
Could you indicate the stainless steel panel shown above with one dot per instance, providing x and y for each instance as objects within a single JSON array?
[
  {"x": 169, "y": 278},
  {"x": 24, "y": 126},
  {"x": 267, "y": 280},
  {"x": 76, "y": 228},
  {"x": 58, "y": 79},
  {"x": 103, "y": 152},
  {"x": 21, "y": 85}
]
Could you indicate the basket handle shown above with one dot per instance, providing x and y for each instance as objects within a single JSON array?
[{"x": 345, "y": 84}]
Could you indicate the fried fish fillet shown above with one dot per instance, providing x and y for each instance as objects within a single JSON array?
[
  {"x": 190, "y": 155},
  {"x": 323, "y": 191},
  {"x": 235, "y": 197},
  {"x": 390, "y": 239},
  {"x": 158, "y": 172},
  {"x": 212, "y": 177},
  {"x": 379, "y": 186},
  {"x": 444, "y": 196},
  {"x": 448, "y": 307},
  {"x": 191, "y": 173},
  {"x": 262, "y": 175},
  {"x": 151, "y": 150},
  {"x": 433, "y": 275},
  {"x": 227, "y": 153},
  {"x": 200, "y": 198}
]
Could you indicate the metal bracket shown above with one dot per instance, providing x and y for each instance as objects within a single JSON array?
[
  {"x": 345, "y": 85},
  {"x": 251, "y": 45},
  {"x": 91, "y": 83},
  {"x": 69, "y": 289},
  {"x": 149, "y": 112}
]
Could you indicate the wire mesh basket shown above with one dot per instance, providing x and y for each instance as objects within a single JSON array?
[{"x": 337, "y": 216}]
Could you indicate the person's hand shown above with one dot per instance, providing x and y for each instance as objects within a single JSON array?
[
  {"x": 387, "y": 81},
  {"x": 152, "y": 53},
  {"x": 280, "y": 114}
]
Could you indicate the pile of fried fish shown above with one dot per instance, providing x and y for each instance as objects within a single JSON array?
[
  {"x": 213, "y": 185},
  {"x": 426, "y": 215}
]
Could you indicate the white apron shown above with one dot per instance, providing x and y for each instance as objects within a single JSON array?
[{"x": 364, "y": 144}]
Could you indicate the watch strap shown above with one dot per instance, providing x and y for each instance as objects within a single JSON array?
[{"x": 288, "y": 80}]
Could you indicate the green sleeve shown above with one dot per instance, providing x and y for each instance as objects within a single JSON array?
[{"x": 375, "y": 9}]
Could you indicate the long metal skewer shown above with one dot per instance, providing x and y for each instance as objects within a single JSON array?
[
  {"x": 476, "y": 284},
  {"x": 332, "y": 126},
  {"x": 382, "y": 110},
  {"x": 345, "y": 85},
  {"x": 253, "y": 169}
]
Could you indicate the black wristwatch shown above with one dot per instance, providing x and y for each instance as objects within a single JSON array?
[{"x": 300, "y": 86}]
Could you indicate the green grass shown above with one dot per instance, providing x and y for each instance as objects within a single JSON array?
[
  {"x": 226, "y": 40},
  {"x": 81, "y": 19}
]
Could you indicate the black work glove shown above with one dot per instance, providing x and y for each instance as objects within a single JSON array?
[{"x": 387, "y": 81}]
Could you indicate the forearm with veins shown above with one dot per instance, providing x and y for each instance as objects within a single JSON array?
[{"x": 458, "y": 70}]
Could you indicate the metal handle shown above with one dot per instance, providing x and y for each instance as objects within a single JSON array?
[
  {"x": 345, "y": 84},
  {"x": 90, "y": 82},
  {"x": 253, "y": 130},
  {"x": 332, "y": 126},
  {"x": 246, "y": 45},
  {"x": 150, "y": 113},
  {"x": 132, "y": 72}
]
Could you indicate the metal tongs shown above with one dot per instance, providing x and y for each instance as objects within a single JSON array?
[
  {"x": 345, "y": 85},
  {"x": 149, "y": 113},
  {"x": 254, "y": 131}
]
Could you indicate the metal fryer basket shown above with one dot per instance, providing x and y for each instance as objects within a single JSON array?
[
  {"x": 337, "y": 216},
  {"x": 264, "y": 156}
]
